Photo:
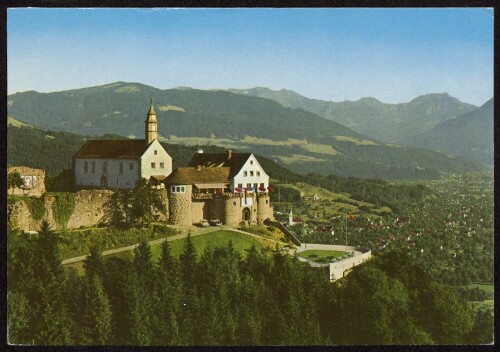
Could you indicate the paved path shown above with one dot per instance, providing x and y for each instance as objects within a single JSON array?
[{"x": 195, "y": 231}]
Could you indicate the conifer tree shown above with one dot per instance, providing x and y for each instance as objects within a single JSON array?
[
  {"x": 168, "y": 293},
  {"x": 18, "y": 318},
  {"x": 94, "y": 263},
  {"x": 97, "y": 317},
  {"x": 49, "y": 266}
]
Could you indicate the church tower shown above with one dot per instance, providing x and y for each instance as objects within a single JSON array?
[{"x": 151, "y": 125}]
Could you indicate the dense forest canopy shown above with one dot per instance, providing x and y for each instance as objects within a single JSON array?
[{"x": 218, "y": 297}]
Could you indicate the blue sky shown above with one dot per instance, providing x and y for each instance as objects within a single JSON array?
[{"x": 340, "y": 54}]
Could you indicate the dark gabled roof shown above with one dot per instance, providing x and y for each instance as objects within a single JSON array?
[
  {"x": 191, "y": 176},
  {"x": 112, "y": 149},
  {"x": 215, "y": 160}
]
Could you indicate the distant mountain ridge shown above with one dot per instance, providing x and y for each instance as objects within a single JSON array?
[
  {"x": 469, "y": 135},
  {"x": 298, "y": 139},
  {"x": 390, "y": 123}
]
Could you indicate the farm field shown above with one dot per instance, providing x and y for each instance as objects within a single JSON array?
[{"x": 327, "y": 205}]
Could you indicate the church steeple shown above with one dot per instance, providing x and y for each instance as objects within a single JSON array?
[{"x": 151, "y": 125}]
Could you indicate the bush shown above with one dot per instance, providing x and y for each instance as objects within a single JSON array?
[
  {"x": 36, "y": 207},
  {"x": 63, "y": 207}
]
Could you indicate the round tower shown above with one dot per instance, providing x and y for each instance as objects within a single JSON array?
[
  {"x": 263, "y": 207},
  {"x": 151, "y": 125},
  {"x": 232, "y": 211},
  {"x": 179, "y": 207}
]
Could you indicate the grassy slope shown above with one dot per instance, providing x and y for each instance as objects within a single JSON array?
[{"x": 213, "y": 239}]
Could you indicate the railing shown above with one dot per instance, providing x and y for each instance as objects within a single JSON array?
[
  {"x": 283, "y": 229},
  {"x": 227, "y": 195}
]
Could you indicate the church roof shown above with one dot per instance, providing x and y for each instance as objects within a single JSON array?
[
  {"x": 112, "y": 149},
  {"x": 217, "y": 160},
  {"x": 191, "y": 175}
]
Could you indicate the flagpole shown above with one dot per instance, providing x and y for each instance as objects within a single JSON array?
[{"x": 346, "y": 230}]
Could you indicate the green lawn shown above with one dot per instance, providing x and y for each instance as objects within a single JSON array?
[
  {"x": 213, "y": 239},
  {"x": 241, "y": 242},
  {"x": 483, "y": 305},
  {"x": 488, "y": 288},
  {"x": 320, "y": 255}
]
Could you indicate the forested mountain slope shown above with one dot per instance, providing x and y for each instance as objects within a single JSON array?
[{"x": 301, "y": 140}]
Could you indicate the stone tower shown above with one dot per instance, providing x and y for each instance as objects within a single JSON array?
[
  {"x": 151, "y": 125},
  {"x": 263, "y": 209},
  {"x": 180, "y": 205}
]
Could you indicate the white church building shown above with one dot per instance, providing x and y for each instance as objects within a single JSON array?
[{"x": 118, "y": 164}]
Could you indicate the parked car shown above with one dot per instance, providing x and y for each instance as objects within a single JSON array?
[
  {"x": 204, "y": 223},
  {"x": 215, "y": 222}
]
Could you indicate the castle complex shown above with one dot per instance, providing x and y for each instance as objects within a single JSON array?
[{"x": 230, "y": 187}]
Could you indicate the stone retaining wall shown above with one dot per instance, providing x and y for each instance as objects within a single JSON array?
[
  {"x": 341, "y": 268},
  {"x": 90, "y": 210}
]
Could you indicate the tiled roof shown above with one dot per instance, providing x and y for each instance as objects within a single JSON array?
[
  {"x": 215, "y": 160},
  {"x": 191, "y": 175},
  {"x": 112, "y": 149}
]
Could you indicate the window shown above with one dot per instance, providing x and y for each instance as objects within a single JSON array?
[
  {"x": 249, "y": 185},
  {"x": 258, "y": 173},
  {"x": 121, "y": 167},
  {"x": 234, "y": 203},
  {"x": 130, "y": 166},
  {"x": 245, "y": 174},
  {"x": 251, "y": 173},
  {"x": 261, "y": 185},
  {"x": 156, "y": 152},
  {"x": 105, "y": 167},
  {"x": 86, "y": 166},
  {"x": 240, "y": 185},
  {"x": 93, "y": 167},
  {"x": 255, "y": 186},
  {"x": 267, "y": 201},
  {"x": 178, "y": 189},
  {"x": 251, "y": 162},
  {"x": 162, "y": 165},
  {"x": 153, "y": 165}
]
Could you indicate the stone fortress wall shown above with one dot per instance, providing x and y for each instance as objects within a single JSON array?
[
  {"x": 90, "y": 210},
  {"x": 188, "y": 209}
]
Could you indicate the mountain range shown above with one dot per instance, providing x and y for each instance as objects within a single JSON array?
[
  {"x": 298, "y": 139},
  {"x": 390, "y": 123},
  {"x": 433, "y": 121},
  {"x": 469, "y": 135}
]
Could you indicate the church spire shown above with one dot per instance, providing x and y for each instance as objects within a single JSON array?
[
  {"x": 151, "y": 125},
  {"x": 151, "y": 108}
]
